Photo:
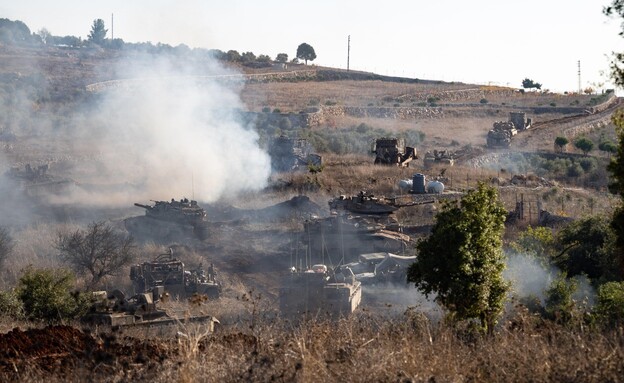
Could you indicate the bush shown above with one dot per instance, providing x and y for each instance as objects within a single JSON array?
[
  {"x": 609, "y": 309},
  {"x": 277, "y": 110},
  {"x": 574, "y": 170},
  {"x": 46, "y": 295},
  {"x": 483, "y": 101},
  {"x": 10, "y": 304},
  {"x": 588, "y": 164},
  {"x": 559, "y": 303},
  {"x": 266, "y": 109}
]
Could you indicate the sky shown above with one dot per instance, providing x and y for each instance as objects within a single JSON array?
[{"x": 498, "y": 42}]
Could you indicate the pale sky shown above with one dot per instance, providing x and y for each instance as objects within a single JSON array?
[{"x": 479, "y": 41}]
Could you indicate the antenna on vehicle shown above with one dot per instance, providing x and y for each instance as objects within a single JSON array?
[
  {"x": 579, "y": 75},
  {"x": 112, "y": 27},
  {"x": 192, "y": 185}
]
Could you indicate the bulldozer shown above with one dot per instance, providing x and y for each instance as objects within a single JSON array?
[
  {"x": 171, "y": 274},
  {"x": 115, "y": 310},
  {"x": 392, "y": 151},
  {"x": 288, "y": 154}
]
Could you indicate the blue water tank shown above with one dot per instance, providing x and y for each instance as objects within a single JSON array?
[{"x": 418, "y": 184}]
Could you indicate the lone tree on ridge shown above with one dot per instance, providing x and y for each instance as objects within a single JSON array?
[
  {"x": 305, "y": 52},
  {"x": 98, "y": 32}
]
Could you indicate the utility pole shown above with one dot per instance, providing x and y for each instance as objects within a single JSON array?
[
  {"x": 579, "y": 76},
  {"x": 112, "y": 27},
  {"x": 348, "y": 50}
]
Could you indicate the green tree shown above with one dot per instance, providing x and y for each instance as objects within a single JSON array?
[
  {"x": 462, "y": 260},
  {"x": 47, "y": 295},
  {"x": 99, "y": 251},
  {"x": 98, "y": 32},
  {"x": 247, "y": 57},
  {"x": 233, "y": 56},
  {"x": 560, "y": 143},
  {"x": 586, "y": 247},
  {"x": 528, "y": 83},
  {"x": 617, "y": 64},
  {"x": 281, "y": 58},
  {"x": 263, "y": 58},
  {"x": 584, "y": 144},
  {"x": 306, "y": 52},
  {"x": 538, "y": 242},
  {"x": 608, "y": 146}
]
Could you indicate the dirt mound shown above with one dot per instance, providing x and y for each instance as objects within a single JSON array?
[{"x": 65, "y": 350}]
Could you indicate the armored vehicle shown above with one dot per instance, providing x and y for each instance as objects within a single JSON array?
[
  {"x": 441, "y": 157},
  {"x": 500, "y": 135},
  {"x": 171, "y": 274},
  {"x": 392, "y": 151},
  {"x": 319, "y": 291},
  {"x": 167, "y": 221},
  {"x": 36, "y": 181},
  {"x": 289, "y": 154},
  {"x": 115, "y": 310},
  {"x": 345, "y": 237},
  {"x": 363, "y": 203},
  {"x": 519, "y": 120}
]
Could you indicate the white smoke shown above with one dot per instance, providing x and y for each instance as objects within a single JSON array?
[
  {"x": 168, "y": 133},
  {"x": 528, "y": 277}
]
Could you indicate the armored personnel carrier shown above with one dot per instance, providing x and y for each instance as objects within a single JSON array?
[
  {"x": 168, "y": 221},
  {"x": 174, "y": 278},
  {"x": 317, "y": 291}
]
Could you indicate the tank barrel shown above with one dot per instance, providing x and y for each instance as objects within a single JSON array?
[{"x": 143, "y": 206}]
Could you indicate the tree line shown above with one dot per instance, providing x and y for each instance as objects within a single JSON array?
[{"x": 17, "y": 33}]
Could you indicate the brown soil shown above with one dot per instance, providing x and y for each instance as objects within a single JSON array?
[{"x": 64, "y": 351}]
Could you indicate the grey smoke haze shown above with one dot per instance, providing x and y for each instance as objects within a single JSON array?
[
  {"x": 168, "y": 134},
  {"x": 529, "y": 277}
]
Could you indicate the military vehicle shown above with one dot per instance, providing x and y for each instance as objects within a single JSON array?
[
  {"x": 382, "y": 267},
  {"x": 319, "y": 291},
  {"x": 500, "y": 135},
  {"x": 37, "y": 181},
  {"x": 115, "y": 310},
  {"x": 363, "y": 203},
  {"x": 519, "y": 120},
  {"x": 342, "y": 238},
  {"x": 439, "y": 157},
  {"x": 288, "y": 154},
  {"x": 171, "y": 274},
  {"x": 392, "y": 151},
  {"x": 169, "y": 221}
]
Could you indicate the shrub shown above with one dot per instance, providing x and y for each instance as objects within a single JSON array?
[
  {"x": 277, "y": 110},
  {"x": 559, "y": 303},
  {"x": 10, "y": 304},
  {"x": 610, "y": 307},
  {"x": 574, "y": 170},
  {"x": 588, "y": 164},
  {"x": 46, "y": 295},
  {"x": 266, "y": 109},
  {"x": 553, "y": 104},
  {"x": 483, "y": 101}
]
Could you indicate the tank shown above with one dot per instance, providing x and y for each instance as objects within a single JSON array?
[
  {"x": 435, "y": 187},
  {"x": 169, "y": 221},
  {"x": 439, "y": 157},
  {"x": 115, "y": 310},
  {"x": 362, "y": 203},
  {"x": 37, "y": 181},
  {"x": 418, "y": 184}
]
